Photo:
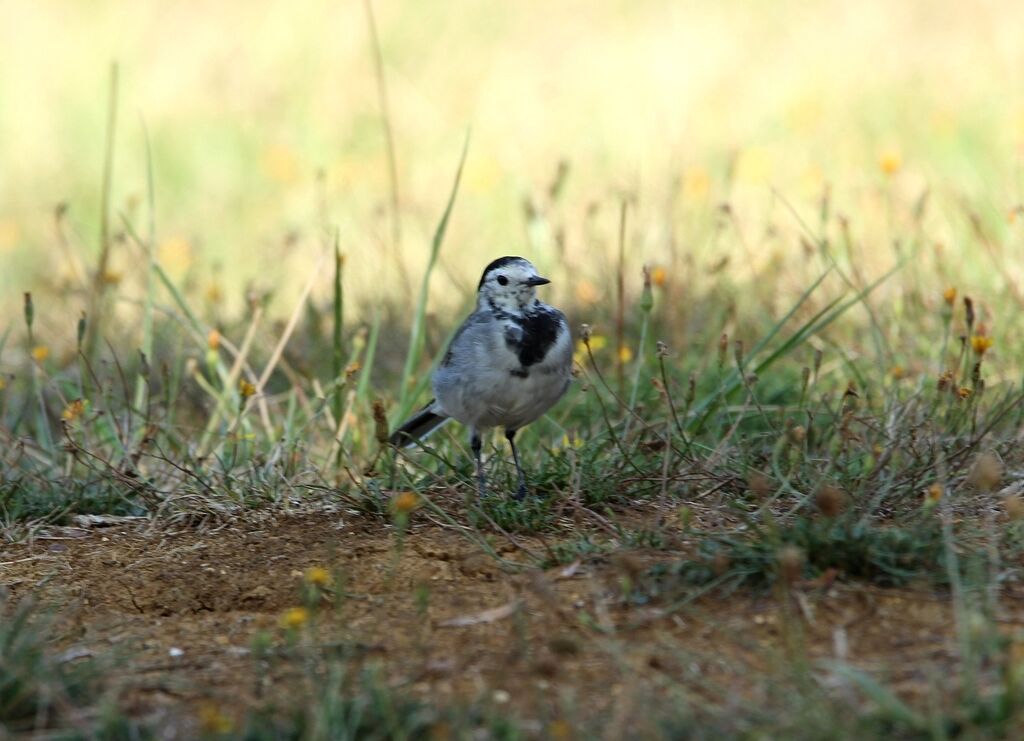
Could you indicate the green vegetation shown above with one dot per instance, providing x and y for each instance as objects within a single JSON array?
[{"x": 799, "y": 364}]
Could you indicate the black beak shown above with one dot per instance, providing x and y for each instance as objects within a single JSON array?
[{"x": 537, "y": 281}]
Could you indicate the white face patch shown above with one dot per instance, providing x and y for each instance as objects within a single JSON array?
[{"x": 508, "y": 287}]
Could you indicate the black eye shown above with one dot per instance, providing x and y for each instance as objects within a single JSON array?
[{"x": 502, "y": 280}]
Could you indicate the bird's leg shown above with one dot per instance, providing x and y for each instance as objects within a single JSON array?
[
  {"x": 475, "y": 443},
  {"x": 521, "y": 491}
]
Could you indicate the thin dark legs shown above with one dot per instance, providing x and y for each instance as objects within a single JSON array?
[
  {"x": 475, "y": 444},
  {"x": 521, "y": 491}
]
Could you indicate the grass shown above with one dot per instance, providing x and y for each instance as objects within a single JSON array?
[
  {"x": 814, "y": 455},
  {"x": 778, "y": 389}
]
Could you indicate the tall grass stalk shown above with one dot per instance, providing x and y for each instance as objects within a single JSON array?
[
  {"x": 337, "y": 349},
  {"x": 395, "y": 211},
  {"x": 147, "y": 305},
  {"x": 416, "y": 332},
  {"x": 97, "y": 310}
]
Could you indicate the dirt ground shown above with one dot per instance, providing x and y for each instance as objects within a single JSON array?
[{"x": 183, "y": 606}]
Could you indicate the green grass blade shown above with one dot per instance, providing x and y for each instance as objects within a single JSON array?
[{"x": 416, "y": 333}]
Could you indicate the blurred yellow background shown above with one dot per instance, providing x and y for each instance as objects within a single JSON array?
[{"x": 248, "y": 103}]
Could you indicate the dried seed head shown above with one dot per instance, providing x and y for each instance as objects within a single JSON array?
[
  {"x": 662, "y": 349},
  {"x": 830, "y": 500},
  {"x": 564, "y": 646},
  {"x": 791, "y": 563},
  {"x": 969, "y": 312},
  {"x": 797, "y": 434},
  {"x": 585, "y": 334},
  {"x": 380, "y": 422},
  {"x": 647, "y": 295},
  {"x": 628, "y": 565},
  {"x": 691, "y": 389},
  {"x": 738, "y": 353},
  {"x": 818, "y": 355},
  {"x": 1014, "y": 506},
  {"x": 720, "y": 563},
  {"x": 30, "y": 312},
  {"x": 723, "y": 348},
  {"x": 945, "y": 380},
  {"x": 760, "y": 485},
  {"x": 986, "y": 473}
]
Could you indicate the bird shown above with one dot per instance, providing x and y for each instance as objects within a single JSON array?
[{"x": 508, "y": 364}]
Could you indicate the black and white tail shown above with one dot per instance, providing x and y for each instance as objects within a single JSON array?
[{"x": 418, "y": 426}]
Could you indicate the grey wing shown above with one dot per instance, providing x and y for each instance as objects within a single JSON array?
[
  {"x": 472, "y": 368},
  {"x": 464, "y": 343}
]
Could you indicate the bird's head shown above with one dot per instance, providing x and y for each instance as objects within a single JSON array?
[{"x": 509, "y": 284}]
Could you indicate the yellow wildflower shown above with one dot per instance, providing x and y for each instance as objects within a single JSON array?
[
  {"x": 73, "y": 410},
  {"x": 3, "y": 383},
  {"x": 898, "y": 372},
  {"x": 659, "y": 276},
  {"x": 587, "y": 293},
  {"x": 352, "y": 368},
  {"x": 964, "y": 393},
  {"x": 214, "y": 721},
  {"x": 696, "y": 182},
  {"x": 890, "y": 161},
  {"x": 40, "y": 353},
  {"x": 933, "y": 494},
  {"x": 294, "y": 618},
  {"x": 625, "y": 354},
  {"x": 281, "y": 164},
  {"x": 245, "y": 388},
  {"x": 981, "y": 344},
  {"x": 571, "y": 442},
  {"x": 405, "y": 503},
  {"x": 213, "y": 339},
  {"x": 10, "y": 233},
  {"x": 175, "y": 254},
  {"x": 949, "y": 295},
  {"x": 317, "y": 576},
  {"x": 560, "y": 730}
]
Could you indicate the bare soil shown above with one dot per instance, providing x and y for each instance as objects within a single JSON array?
[{"x": 181, "y": 608}]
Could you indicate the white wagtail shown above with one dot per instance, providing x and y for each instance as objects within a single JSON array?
[{"x": 510, "y": 361}]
